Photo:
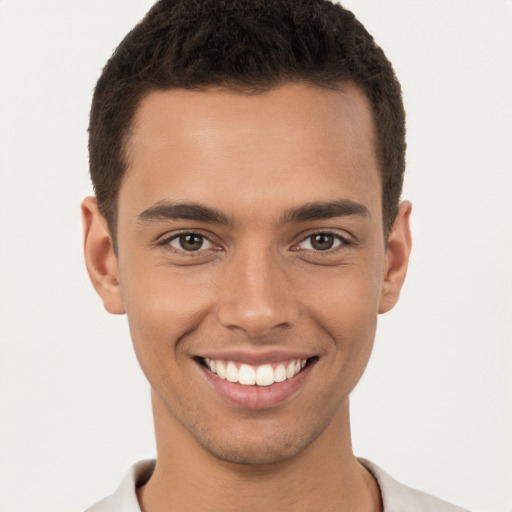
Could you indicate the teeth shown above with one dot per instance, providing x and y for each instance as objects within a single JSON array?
[
  {"x": 280, "y": 373},
  {"x": 264, "y": 375},
  {"x": 232, "y": 372},
  {"x": 248, "y": 375},
  {"x": 290, "y": 370},
  {"x": 221, "y": 369}
]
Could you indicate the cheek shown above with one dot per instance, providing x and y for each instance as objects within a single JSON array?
[
  {"x": 156, "y": 293},
  {"x": 345, "y": 298},
  {"x": 163, "y": 305},
  {"x": 345, "y": 307}
]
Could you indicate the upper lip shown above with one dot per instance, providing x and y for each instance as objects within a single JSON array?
[{"x": 256, "y": 358}]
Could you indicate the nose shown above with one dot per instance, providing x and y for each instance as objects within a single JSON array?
[{"x": 257, "y": 296}]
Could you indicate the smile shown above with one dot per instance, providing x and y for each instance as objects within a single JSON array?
[
  {"x": 250, "y": 375},
  {"x": 256, "y": 381}
]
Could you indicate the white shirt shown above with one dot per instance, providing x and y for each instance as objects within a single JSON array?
[{"x": 396, "y": 497}]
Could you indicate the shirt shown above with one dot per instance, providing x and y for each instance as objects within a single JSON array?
[{"x": 396, "y": 497}]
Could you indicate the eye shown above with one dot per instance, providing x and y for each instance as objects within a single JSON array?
[
  {"x": 190, "y": 242},
  {"x": 321, "y": 242}
]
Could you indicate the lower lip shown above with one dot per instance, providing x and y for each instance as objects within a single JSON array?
[{"x": 257, "y": 397}]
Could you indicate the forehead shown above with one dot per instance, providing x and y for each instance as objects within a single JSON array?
[{"x": 292, "y": 144}]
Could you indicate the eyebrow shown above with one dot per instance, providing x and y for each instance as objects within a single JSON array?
[
  {"x": 326, "y": 210},
  {"x": 164, "y": 210}
]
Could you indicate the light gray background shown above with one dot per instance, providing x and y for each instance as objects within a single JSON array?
[{"x": 434, "y": 408}]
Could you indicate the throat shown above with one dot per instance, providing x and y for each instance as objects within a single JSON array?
[
  {"x": 325, "y": 476},
  {"x": 263, "y": 489}
]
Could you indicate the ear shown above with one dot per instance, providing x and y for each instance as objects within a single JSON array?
[
  {"x": 100, "y": 258},
  {"x": 397, "y": 258}
]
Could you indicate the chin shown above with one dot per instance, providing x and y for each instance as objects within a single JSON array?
[{"x": 258, "y": 450}]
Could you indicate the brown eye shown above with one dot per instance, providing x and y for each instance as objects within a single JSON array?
[
  {"x": 322, "y": 242},
  {"x": 190, "y": 242}
]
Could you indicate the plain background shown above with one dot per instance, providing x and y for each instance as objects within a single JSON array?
[{"x": 433, "y": 409}]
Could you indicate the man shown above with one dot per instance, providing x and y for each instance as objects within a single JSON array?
[{"x": 247, "y": 159}]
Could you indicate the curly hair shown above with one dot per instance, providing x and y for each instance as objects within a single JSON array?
[{"x": 248, "y": 46}]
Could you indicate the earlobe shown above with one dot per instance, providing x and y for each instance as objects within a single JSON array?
[
  {"x": 397, "y": 258},
  {"x": 100, "y": 258}
]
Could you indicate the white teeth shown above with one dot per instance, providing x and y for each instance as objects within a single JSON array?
[
  {"x": 221, "y": 370},
  {"x": 265, "y": 375},
  {"x": 247, "y": 375},
  {"x": 290, "y": 370},
  {"x": 280, "y": 373},
  {"x": 232, "y": 372}
]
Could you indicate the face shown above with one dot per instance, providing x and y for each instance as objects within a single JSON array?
[{"x": 251, "y": 262}]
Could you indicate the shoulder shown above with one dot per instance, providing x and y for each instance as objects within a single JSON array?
[
  {"x": 397, "y": 497},
  {"x": 105, "y": 505},
  {"x": 124, "y": 498}
]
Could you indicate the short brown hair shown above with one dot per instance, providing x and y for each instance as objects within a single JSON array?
[{"x": 248, "y": 46}]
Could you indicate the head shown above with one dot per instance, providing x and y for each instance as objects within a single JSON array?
[
  {"x": 247, "y": 158},
  {"x": 249, "y": 46}
]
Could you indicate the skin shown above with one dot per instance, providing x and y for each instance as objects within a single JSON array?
[{"x": 256, "y": 285}]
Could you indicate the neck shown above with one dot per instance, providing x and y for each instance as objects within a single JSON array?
[{"x": 325, "y": 476}]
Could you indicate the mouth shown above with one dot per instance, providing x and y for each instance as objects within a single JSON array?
[{"x": 262, "y": 375}]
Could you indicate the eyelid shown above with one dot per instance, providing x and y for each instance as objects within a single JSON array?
[
  {"x": 177, "y": 237},
  {"x": 165, "y": 240},
  {"x": 344, "y": 239}
]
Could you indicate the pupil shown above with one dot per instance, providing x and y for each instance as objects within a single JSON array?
[
  {"x": 191, "y": 242},
  {"x": 322, "y": 242}
]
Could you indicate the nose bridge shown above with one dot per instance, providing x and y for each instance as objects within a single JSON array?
[{"x": 256, "y": 297}]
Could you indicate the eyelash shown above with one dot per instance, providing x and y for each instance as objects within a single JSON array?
[
  {"x": 166, "y": 243},
  {"x": 343, "y": 242}
]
